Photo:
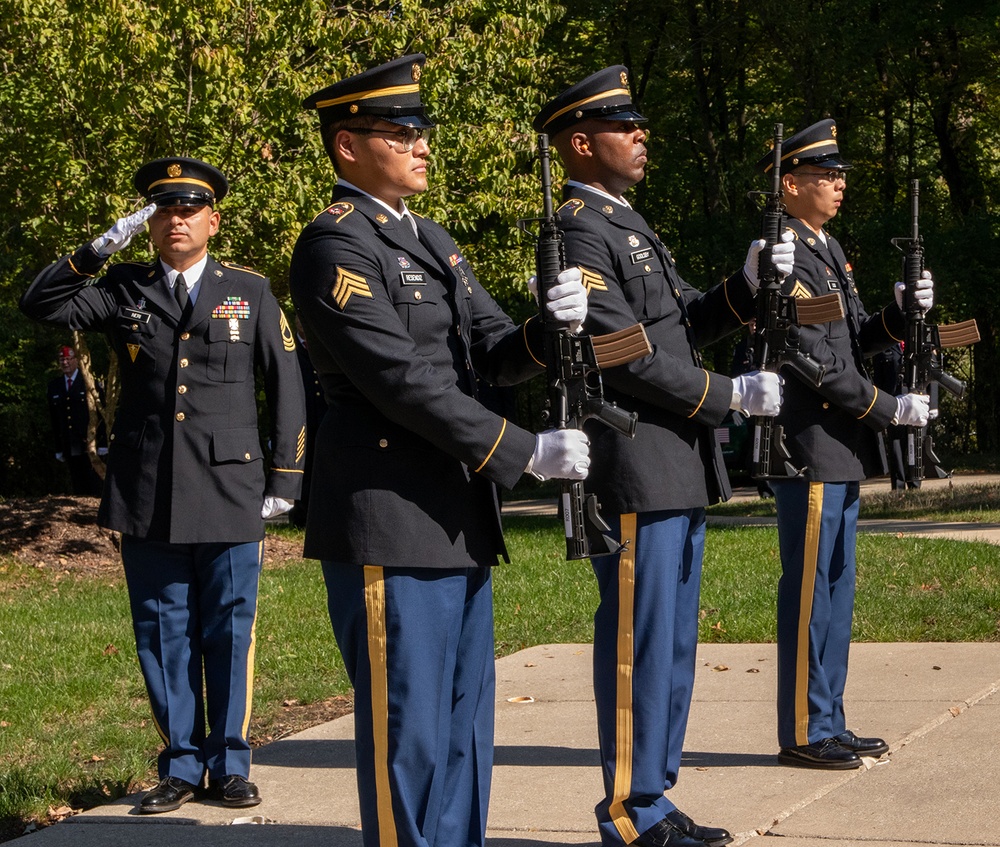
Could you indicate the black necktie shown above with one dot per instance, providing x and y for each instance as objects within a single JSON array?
[{"x": 181, "y": 295}]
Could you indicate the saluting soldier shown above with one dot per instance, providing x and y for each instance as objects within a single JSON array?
[
  {"x": 186, "y": 479},
  {"x": 403, "y": 511},
  {"x": 835, "y": 432},
  {"x": 653, "y": 488}
]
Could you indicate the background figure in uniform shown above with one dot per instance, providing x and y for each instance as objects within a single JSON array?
[
  {"x": 186, "y": 482},
  {"x": 834, "y": 431},
  {"x": 70, "y": 418},
  {"x": 315, "y": 409},
  {"x": 403, "y": 510},
  {"x": 653, "y": 489}
]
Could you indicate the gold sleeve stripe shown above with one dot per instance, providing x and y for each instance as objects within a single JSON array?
[
  {"x": 624, "y": 733},
  {"x": 732, "y": 308},
  {"x": 286, "y": 470},
  {"x": 348, "y": 284},
  {"x": 810, "y": 557},
  {"x": 493, "y": 449},
  {"x": 378, "y": 664},
  {"x": 76, "y": 270},
  {"x": 888, "y": 331},
  {"x": 287, "y": 339},
  {"x": 527, "y": 346},
  {"x": 870, "y": 405},
  {"x": 708, "y": 381},
  {"x": 300, "y": 445}
]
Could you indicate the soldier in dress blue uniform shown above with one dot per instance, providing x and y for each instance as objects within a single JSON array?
[
  {"x": 403, "y": 509},
  {"x": 187, "y": 485},
  {"x": 835, "y": 432},
  {"x": 654, "y": 488},
  {"x": 70, "y": 419}
]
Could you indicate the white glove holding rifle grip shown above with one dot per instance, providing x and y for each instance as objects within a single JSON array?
[
  {"x": 121, "y": 233},
  {"x": 923, "y": 292},
  {"x": 560, "y": 454},
  {"x": 757, "y": 393},
  {"x": 567, "y": 299},
  {"x": 782, "y": 257},
  {"x": 912, "y": 410}
]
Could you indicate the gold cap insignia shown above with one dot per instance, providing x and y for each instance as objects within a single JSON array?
[
  {"x": 354, "y": 108},
  {"x": 833, "y": 130},
  {"x": 795, "y": 161},
  {"x": 624, "y": 79},
  {"x": 415, "y": 72},
  {"x": 174, "y": 171}
]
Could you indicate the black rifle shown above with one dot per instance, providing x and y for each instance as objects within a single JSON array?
[
  {"x": 775, "y": 334},
  {"x": 573, "y": 367},
  {"x": 923, "y": 343}
]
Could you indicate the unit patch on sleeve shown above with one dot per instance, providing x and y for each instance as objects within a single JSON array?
[
  {"x": 347, "y": 284},
  {"x": 593, "y": 281},
  {"x": 232, "y": 307},
  {"x": 340, "y": 210},
  {"x": 572, "y": 206}
]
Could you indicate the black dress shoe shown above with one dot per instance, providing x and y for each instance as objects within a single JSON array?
[
  {"x": 665, "y": 834},
  {"x": 862, "y": 746},
  {"x": 713, "y": 836},
  {"x": 825, "y": 753},
  {"x": 170, "y": 794},
  {"x": 234, "y": 790}
]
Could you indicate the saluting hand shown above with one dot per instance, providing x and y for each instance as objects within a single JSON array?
[{"x": 121, "y": 233}]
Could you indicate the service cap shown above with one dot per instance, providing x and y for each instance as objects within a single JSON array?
[
  {"x": 390, "y": 92},
  {"x": 815, "y": 145},
  {"x": 603, "y": 95},
  {"x": 180, "y": 181}
]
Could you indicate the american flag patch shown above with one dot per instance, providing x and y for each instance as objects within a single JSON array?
[
  {"x": 454, "y": 259},
  {"x": 232, "y": 307}
]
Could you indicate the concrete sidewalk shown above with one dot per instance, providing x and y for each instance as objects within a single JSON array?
[{"x": 938, "y": 705}]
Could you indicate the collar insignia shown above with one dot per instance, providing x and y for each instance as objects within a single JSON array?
[{"x": 381, "y": 218}]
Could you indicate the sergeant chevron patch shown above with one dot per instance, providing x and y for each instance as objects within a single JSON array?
[
  {"x": 287, "y": 339},
  {"x": 593, "y": 281},
  {"x": 347, "y": 284},
  {"x": 799, "y": 290}
]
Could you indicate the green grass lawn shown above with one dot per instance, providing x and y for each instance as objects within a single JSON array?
[{"x": 74, "y": 720}]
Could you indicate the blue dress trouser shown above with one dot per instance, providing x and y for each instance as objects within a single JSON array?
[
  {"x": 418, "y": 646},
  {"x": 645, "y": 641},
  {"x": 817, "y": 535},
  {"x": 194, "y": 610}
]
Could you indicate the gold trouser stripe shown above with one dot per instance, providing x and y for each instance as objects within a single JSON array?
[
  {"x": 810, "y": 556},
  {"x": 623, "y": 720},
  {"x": 375, "y": 608},
  {"x": 252, "y": 652}
]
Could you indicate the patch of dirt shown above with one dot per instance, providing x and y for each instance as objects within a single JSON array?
[{"x": 61, "y": 532}]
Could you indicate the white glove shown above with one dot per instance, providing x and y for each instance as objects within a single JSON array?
[
  {"x": 782, "y": 257},
  {"x": 567, "y": 301},
  {"x": 757, "y": 393},
  {"x": 912, "y": 410},
  {"x": 924, "y": 294},
  {"x": 60, "y": 457},
  {"x": 560, "y": 454},
  {"x": 121, "y": 233},
  {"x": 274, "y": 506}
]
